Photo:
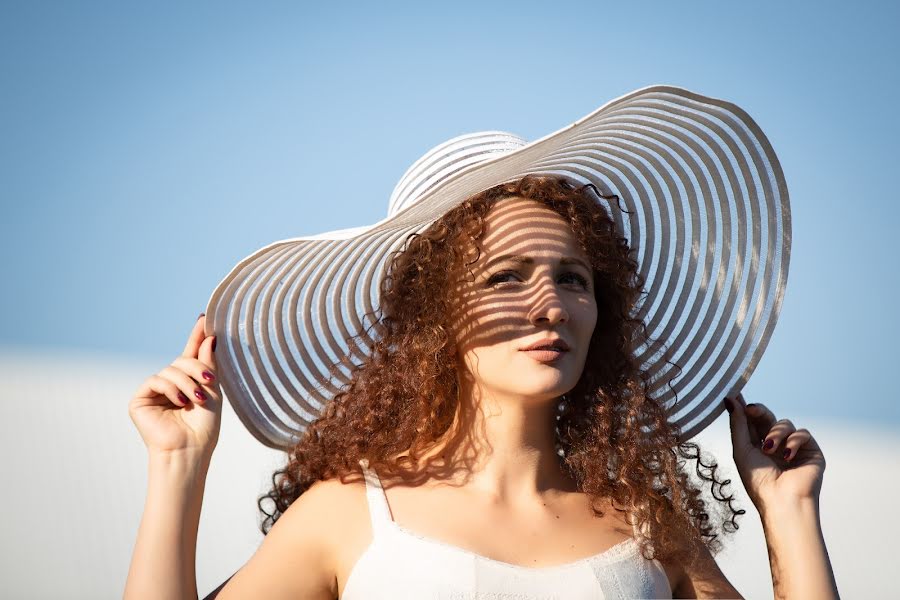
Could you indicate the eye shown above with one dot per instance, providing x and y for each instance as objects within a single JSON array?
[
  {"x": 580, "y": 278},
  {"x": 498, "y": 277}
]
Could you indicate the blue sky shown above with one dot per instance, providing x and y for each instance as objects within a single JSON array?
[{"x": 147, "y": 149}]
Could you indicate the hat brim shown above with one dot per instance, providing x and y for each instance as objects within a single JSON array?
[{"x": 707, "y": 212}]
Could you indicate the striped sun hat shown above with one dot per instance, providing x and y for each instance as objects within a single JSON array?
[{"x": 707, "y": 214}]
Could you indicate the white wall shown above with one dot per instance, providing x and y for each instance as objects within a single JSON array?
[{"x": 76, "y": 468}]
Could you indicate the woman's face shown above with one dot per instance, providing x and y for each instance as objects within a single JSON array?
[{"x": 546, "y": 293}]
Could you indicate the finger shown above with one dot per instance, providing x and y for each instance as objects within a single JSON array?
[
  {"x": 197, "y": 370},
  {"x": 207, "y": 355},
  {"x": 779, "y": 432},
  {"x": 762, "y": 419},
  {"x": 199, "y": 373},
  {"x": 195, "y": 338},
  {"x": 155, "y": 385},
  {"x": 740, "y": 434},
  {"x": 755, "y": 433},
  {"x": 794, "y": 442},
  {"x": 185, "y": 383}
]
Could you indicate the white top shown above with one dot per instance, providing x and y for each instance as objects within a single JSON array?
[{"x": 399, "y": 563}]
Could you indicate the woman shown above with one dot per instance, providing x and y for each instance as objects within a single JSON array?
[{"x": 543, "y": 466}]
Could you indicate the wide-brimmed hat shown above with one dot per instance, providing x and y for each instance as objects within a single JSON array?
[{"x": 705, "y": 207}]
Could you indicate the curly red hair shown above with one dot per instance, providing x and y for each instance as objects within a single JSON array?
[{"x": 613, "y": 437}]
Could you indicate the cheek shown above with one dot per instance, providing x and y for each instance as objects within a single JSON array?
[
  {"x": 483, "y": 321},
  {"x": 484, "y": 363},
  {"x": 586, "y": 314},
  {"x": 584, "y": 331}
]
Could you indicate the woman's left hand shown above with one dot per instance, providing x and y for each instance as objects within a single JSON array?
[{"x": 766, "y": 474}]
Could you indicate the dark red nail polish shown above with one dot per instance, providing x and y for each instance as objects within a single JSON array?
[
  {"x": 201, "y": 315},
  {"x": 214, "y": 344},
  {"x": 182, "y": 397},
  {"x": 208, "y": 376},
  {"x": 768, "y": 445},
  {"x": 787, "y": 453},
  {"x": 728, "y": 405},
  {"x": 200, "y": 395}
]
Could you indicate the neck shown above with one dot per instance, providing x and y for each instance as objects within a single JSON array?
[{"x": 507, "y": 445}]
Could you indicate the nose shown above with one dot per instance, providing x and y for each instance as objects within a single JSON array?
[{"x": 548, "y": 307}]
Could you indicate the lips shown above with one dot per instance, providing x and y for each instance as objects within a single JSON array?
[{"x": 549, "y": 344}]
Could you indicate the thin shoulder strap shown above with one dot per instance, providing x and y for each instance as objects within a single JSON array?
[{"x": 379, "y": 511}]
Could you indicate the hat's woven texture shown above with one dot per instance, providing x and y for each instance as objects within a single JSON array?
[{"x": 709, "y": 219}]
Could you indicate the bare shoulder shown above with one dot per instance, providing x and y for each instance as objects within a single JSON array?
[
  {"x": 298, "y": 557},
  {"x": 702, "y": 579},
  {"x": 675, "y": 574},
  {"x": 673, "y": 570}
]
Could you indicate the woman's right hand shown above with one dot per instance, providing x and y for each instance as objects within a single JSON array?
[{"x": 169, "y": 416}]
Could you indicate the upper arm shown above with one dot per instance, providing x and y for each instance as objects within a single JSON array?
[
  {"x": 704, "y": 579},
  {"x": 295, "y": 559}
]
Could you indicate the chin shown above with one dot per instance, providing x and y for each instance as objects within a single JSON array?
[{"x": 551, "y": 390}]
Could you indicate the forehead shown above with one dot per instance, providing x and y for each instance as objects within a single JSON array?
[{"x": 516, "y": 225}]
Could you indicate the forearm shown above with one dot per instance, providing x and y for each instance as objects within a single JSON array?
[
  {"x": 164, "y": 561},
  {"x": 797, "y": 554}
]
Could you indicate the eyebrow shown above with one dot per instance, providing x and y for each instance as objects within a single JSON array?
[{"x": 527, "y": 260}]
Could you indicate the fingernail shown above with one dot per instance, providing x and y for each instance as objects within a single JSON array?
[
  {"x": 201, "y": 316},
  {"x": 768, "y": 445},
  {"x": 182, "y": 397},
  {"x": 208, "y": 376},
  {"x": 728, "y": 405},
  {"x": 787, "y": 453},
  {"x": 214, "y": 344},
  {"x": 200, "y": 395}
]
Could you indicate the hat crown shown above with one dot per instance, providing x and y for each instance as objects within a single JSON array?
[{"x": 447, "y": 159}]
